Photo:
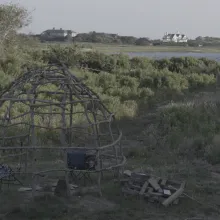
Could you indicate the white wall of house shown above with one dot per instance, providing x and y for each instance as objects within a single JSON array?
[
  {"x": 183, "y": 41},
  {"x": 175, "y": 38},
  {"x": 74, "y": 34}
]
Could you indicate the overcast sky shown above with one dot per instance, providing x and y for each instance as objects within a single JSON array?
[{"x": 141, "y": 18}]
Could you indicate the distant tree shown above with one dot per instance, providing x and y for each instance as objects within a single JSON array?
[
  {"x": 208, "y": 41},
  {"x": 156, "y": 42},
  {"x": 199, "y": 38},
  {"x": 95, "y": 37},
  {"x": 193, "y": 43},
  {"x": 12, "y": 18},
  {"x": 128, "y": 39},
  {"x": 143, "y": 41}
]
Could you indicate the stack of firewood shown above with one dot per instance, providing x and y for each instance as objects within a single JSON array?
[{"x": 154, "y": 189}]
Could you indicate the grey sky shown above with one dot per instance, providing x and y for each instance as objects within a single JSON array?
[{"x": 141, "y": 18}]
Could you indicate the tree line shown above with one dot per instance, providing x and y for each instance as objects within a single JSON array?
[
  {"x": 95, "y": 37},
  {"x": 108, "y": 38}
]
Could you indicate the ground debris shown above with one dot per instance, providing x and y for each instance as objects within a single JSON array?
[{"x": 154, "y": 189}]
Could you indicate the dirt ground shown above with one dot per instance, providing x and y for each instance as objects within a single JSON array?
[
  {"x": 203, "y": 186},
  {"x": 202, "y": 189}
]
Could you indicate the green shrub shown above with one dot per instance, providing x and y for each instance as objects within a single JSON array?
[
  {"x": 200, "y": 80},
  {"x": 6, "y": 79},
  {"x": 126, "y": 84},
  {"x": 107, "y": 80},
  {"x": 196, "y": 122},
  {"x": 123, "y": 61},
  {"x": 145, "y": 93},
  {"x": 128, "y": 81},
  {"x": 140, "y": 62},
  {"x": 129, "y": 108}
]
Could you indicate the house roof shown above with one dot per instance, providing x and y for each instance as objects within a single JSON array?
[
  {"x": 169, "y": 36},
  {"x": 172, "y": 35},
  {"x": 59, "y": 31}
]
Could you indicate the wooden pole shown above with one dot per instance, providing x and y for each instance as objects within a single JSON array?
[
  {"x": 63, "y": 142},
  {"x": 71, "y": 120},
  {"x": 33, "y": 138},
  {"x": 98, "y": 144},
  {"x": 26, "y": 161},
  {"x": 100, "y": 174}
]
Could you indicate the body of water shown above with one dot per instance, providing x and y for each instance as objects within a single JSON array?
[{"x": 162, "y": 55}]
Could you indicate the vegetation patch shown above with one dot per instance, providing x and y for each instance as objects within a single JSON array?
[{"x": 180, "y": 139}]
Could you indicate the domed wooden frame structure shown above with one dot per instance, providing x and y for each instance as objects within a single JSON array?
[{"x": 52, "y": 101}]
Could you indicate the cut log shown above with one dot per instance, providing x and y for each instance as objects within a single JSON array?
[
  {"x": 144, "y": 187},
  {"x": 155, "y": 194},
  {"x": 163, "y": 182},
  {"x": 174, "y": 196},
  {"x": 139, "y": 177},
  {"x": 25, "y": 189},
  {"x": 153, "y": 182},
  {"x": 150, "y": 190}
]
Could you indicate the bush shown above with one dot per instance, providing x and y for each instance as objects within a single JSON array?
[
  {"x": 125, "y": 84},
  {"x": 6, "y": 79},
  {"x": 140, "y": 62},
  {"x": 200, "y": 80},
  {"x": 129, "y": 108},
  {"x": 181, "y": 126}
]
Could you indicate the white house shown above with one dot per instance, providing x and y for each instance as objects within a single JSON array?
[
  {"x": 57, "y": 33},
  {"x": 177, "y": 38}
]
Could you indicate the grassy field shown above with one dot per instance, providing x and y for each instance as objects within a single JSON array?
[
  {"x": 170, "y": 124},
  {"x": 202, "y": 186},
  {"x": 127, "y": 48},
  {"x": 110, "y": 48}
]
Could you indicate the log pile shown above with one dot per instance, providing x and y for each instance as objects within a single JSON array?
[{"x": 154, "y": 189}]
